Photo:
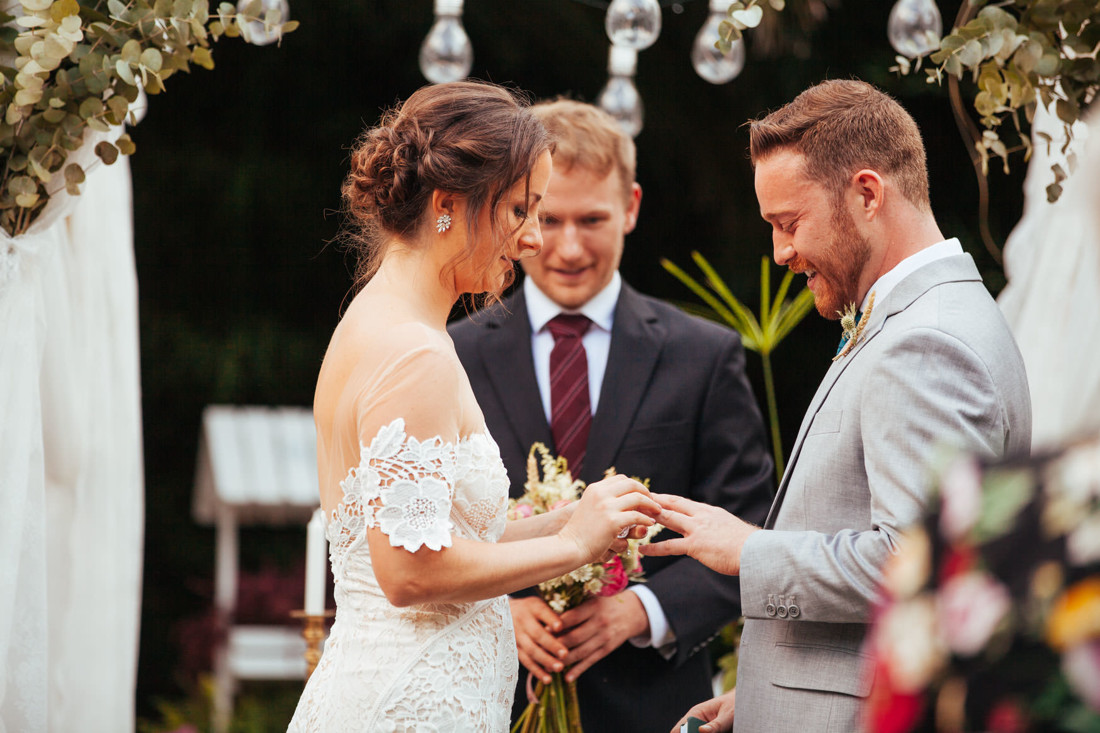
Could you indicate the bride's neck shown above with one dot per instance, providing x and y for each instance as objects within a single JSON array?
[{"x": 412, "y": 278}]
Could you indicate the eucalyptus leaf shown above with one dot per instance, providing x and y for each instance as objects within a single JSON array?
[{"x": 107, "y": 152}]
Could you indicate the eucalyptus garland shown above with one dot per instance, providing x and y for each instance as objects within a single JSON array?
[{"x": 69, "y": 67}]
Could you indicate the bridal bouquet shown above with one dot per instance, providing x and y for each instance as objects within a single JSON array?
[{"x": 549, "y": 485}]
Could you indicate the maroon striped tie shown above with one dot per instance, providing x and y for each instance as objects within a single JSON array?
[{"x": 570, "y": 408}]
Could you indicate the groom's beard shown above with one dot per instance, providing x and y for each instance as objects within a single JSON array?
[{"x": 839, "y": 266}]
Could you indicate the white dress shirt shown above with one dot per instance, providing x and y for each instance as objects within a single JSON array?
[
  {"x": 912, "y": 263},
  {"x": 597, "y": 344}
]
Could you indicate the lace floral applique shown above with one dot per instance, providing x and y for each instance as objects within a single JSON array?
[{"x": 414, "y": 513}]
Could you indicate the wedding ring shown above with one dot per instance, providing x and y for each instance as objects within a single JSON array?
[{"x": 622, "y": 535}]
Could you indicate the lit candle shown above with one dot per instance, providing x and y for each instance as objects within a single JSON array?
[{"x": 316, "y": 564}]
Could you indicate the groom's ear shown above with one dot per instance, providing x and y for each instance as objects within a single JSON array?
[{"x": 870, "y": 190}]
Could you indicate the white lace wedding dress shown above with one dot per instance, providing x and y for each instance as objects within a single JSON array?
[{"x": 424, "y": 668}]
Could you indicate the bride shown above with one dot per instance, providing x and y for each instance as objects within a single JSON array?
[{"x": 446, "y": 192}]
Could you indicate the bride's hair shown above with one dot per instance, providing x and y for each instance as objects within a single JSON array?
[{"x": 474, "y": 139}]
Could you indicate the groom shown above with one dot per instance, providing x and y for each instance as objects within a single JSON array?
[
  {"x": 841, "y": 178},
  {"x": 661, "y": 395}
]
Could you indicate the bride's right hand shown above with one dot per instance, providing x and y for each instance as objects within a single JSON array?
[{"x": 605, "y": 509}]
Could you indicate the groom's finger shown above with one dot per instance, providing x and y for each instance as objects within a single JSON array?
[
  {"x": 665, "y": 548},
  {"x": 676, "y": 503},
  {"x": 673, "y": 520}
]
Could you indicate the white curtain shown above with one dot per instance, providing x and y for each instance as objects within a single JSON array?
[
  {"x": 71, "y": 483},
  {"x": 1052, "y": 300}
]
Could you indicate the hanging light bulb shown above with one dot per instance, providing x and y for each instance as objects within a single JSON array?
[
  {"x": 619, "y": 97},
  {"x": 710, "y": 63},
  {"x": 259, "y": 32},
  {"x": 446, "y": 54},
  {"x": 633, "y": 23},
  {"x": 915, "y": 27}
]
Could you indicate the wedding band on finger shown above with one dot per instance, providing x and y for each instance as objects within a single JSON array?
[{"x": 622, "y": 535}]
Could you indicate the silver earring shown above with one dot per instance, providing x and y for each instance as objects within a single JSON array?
[{"x": 443, "y": 223}]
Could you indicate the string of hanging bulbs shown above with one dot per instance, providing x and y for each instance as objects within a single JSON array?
[{"x": 914, "y": 29}]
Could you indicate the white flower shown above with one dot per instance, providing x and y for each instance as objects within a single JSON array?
[
  {"x": 1081, "y": 665},
  {"x": 912, "y": 650},
  {"x": 907, "y": 571},
  {"x": 415, "y": 513}
]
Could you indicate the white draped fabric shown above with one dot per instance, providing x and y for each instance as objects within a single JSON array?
[
  {"x": 1052, "y": 300},
  {"x": 71, "y": 483}
]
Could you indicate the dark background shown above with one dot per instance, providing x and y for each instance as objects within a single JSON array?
[{"x": 236, "y": 189}]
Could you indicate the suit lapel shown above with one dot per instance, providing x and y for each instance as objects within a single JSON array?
[
  {"x": 949, "y": 269},
  {"x": 636, "y": 340},
  {"x": 506, "y": 354}
]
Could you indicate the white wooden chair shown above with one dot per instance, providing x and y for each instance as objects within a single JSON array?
[{"x": 256, "y": 466}]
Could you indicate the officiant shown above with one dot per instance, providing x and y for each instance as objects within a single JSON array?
[{"x": 578, "y": 360}]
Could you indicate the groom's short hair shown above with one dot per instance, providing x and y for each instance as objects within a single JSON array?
[
  {"x": 842, "y": 126},
  {"x": 586, "y": 136}
]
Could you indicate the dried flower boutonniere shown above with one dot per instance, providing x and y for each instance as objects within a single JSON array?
[{"x": 853, "y": 329}]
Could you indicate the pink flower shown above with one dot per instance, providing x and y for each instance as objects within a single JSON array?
[
  {"x": 969, "y": 607},
  {"x": 615, "y": 578},
  {"x": 961, "y": 488},
  {"x": 521, "y": 511}
]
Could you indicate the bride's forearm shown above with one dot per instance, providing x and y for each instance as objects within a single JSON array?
[
  {"x": 539, "y": 525},
  {"x": 468, "y": 570}
]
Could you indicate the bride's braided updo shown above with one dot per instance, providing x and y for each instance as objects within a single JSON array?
[{"x": 473, "y": 139}]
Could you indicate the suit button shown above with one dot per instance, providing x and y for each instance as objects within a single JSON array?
[
  {"x": 781, "y": 612},
  {"x": 794, "y": 611},
  {"x": 770, "y": 609}
]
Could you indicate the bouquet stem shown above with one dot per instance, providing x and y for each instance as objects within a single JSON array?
[{"x": 556, "y": 709}]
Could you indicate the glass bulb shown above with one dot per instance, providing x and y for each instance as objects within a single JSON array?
[
  {"x": 915, "y": 27},
  {"x": 446, "y": 54},
  {"x": 257, "y": 32},
  {"x": 621, "y": 100},
  {"x": 710, "y": 63},
  {"x": 633, "y": 23}
]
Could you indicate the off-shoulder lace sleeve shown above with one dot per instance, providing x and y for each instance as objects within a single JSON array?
[
  {"x": 404, "y": 487},
  {"x": 405, "y": 418}
]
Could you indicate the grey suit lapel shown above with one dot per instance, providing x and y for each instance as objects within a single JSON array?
[
  {"x": 636, "y": 339},
  {"x": 510, "y": 366},
  {"x": 958, "y": 268}
]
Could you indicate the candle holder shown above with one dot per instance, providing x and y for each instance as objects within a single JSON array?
[{"x": 313, "y": 631}]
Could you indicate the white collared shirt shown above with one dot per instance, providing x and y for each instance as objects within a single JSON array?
[
  {"x": 597, "y": 340},
  {"x": 597, "y": 344},
  {"x": 912, "y": 263}
]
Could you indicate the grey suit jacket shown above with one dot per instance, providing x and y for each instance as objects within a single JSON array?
[{"x": 937, "y": 367}]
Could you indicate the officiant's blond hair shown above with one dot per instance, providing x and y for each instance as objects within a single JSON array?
[
  {"x": 586, "y": 136},
  {"x": 842, "y": 126}
]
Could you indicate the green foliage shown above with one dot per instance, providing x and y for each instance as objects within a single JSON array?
[
  {"x": 261, "y": 707},
  {"x": 777, "y": 317},
  {"x": 1018, "y": 54},
  {"x": 79, "y": 67}
]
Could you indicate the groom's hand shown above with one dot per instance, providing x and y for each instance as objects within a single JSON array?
[
  {"x": 711, "y": 535},
  {"x": 535, "y": 624},
  {"x": 598, "y": 627}
]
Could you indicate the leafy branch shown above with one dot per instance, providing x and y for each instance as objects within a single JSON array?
[
  {"x": 1020, "y": 53},
  {"x": 82, "y": 67}
]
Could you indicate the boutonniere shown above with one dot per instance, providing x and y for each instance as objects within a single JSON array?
[{"x": 853, "y": 325}]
